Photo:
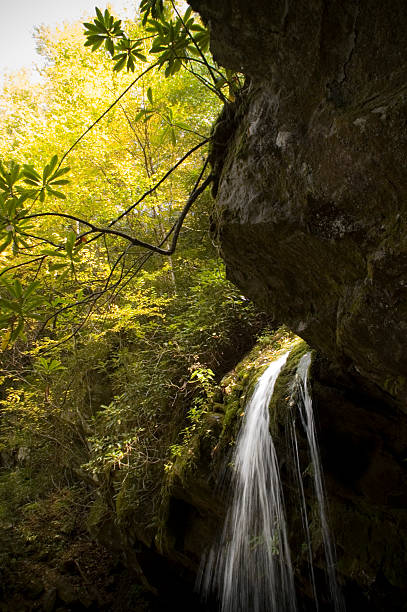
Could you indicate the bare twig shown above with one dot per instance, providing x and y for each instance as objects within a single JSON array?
[
  {"x": 24, "y": 263},
  {"x": 105, "y": 113},
  {"x": 198, "y": 48}
]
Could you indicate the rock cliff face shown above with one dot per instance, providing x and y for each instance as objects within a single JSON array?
[
  {"x": 310, "y": 217},
  {"x": 311, "y": 204}
]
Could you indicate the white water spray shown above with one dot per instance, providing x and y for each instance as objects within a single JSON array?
[
  {"x": 303, "y": 503},
  {"x": 251, "y": 566}
]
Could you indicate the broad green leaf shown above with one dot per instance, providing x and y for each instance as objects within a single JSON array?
[
  {"x": 6, "y": 242},
  {"x": 55, "y": 193},
  {"x": 56, "y": 266},
  {"x": 140, "y": 56},
  {"x": 31, "y": 287},
  {"x": 46, "y": 173},
  {"x": 99, "y": 14},
  {"x": 9, "y": 305},
  {"x": 30, "y": 181},
  {"x": 91, "y": 26},
  {"x": 109, "y": 45},
  {"x": 60, "y": 172},
  {"x": 187, "y": 14},
  {"x": 18, "y": 331},
  {"x": 140, "y": 115},
  {"x": 59, "y": 182},
  {"x": 31, "y": 174},
  {"x": 121, "y": 63},
  {"x": 70, "y": 241},
  {"x": 18, "y": 289}
]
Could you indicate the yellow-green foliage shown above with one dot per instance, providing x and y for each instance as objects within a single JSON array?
[{"x": 112, "y": 359}]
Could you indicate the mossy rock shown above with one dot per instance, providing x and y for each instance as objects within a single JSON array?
[
  {"x": 282, "y": 391},
  {"x": 238, "y": 386},
  {"x": 192, "y": 475}
]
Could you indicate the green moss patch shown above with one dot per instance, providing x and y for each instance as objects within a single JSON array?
[{"x": 278, "y": 404}]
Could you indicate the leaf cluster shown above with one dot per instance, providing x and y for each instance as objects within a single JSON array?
[
  {"x": 55, "y": 249},
  {"x": 155, "y": 8},
  {"x": 177, "y": 41},
  {"x": 16, "y": 306},
  {"x": 174, "y": 42},
  {"x": 19, "y": 184},
  {"x": 107, "y": 30},
  {"x": 45, "y": 183}
]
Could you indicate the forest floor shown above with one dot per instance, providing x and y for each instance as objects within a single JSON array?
[{"x": 49, "y": 562}]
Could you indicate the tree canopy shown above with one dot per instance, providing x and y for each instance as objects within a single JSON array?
[
  {"x": 105, "y": 325},
  {"x": 116, "y": 319},
  {"x": 134, "y": 171}
]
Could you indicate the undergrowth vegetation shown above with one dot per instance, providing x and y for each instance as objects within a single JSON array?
[{"x": 111, "y": 355}]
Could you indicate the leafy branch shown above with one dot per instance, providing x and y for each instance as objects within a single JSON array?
[{"x": 176, "y": 42}]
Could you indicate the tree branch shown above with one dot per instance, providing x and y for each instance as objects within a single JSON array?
[{"x": 133, "y": 241}]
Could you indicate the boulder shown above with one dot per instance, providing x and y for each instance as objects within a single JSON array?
[{"x": 310, "y": 214}]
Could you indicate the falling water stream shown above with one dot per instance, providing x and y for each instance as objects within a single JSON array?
[
  {"x": 304, "y": 407},
  {"x": 250, "y": 567}
]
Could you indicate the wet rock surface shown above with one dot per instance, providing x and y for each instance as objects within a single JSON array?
[{"x": 363, "y": 447}]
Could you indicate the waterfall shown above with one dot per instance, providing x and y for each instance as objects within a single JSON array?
[
  {"x": 304, "y": 405},
  {"x": 303, "y": 503},
  {"x": 251, "y": 567}
]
